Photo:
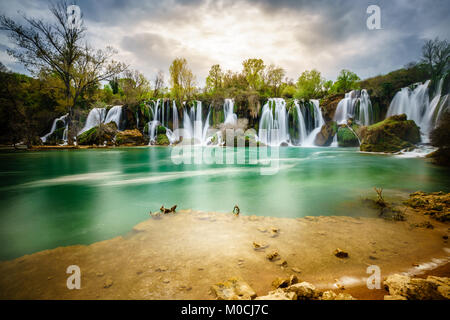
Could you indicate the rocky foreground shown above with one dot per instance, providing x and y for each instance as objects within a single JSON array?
[{"x": 191, "y": 254}]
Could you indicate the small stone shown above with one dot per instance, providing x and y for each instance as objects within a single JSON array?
[
  {"x": 162, "y": 269},
  {"x": 278, "y": 294},
  {"x": 233, "y": 289},
  {"x": 50, "y": 278},
  {"x": 166, "y": 281},
  {"x": 296, "y": 270},
  {"x": 373, "y": 258},
  {"x": 139, "y": 272},
  {"x": 99, "y": 274},
  {"x": 263, "y": 230},
  {"x": 108, "y": 283},
  {"x": 273, "y": 256},
  {"x": 340, "y": 253},
  {"x": 259, "y": 246},
  {"x": 304, "y": 290},
  {"x": 445, "y": 237}
]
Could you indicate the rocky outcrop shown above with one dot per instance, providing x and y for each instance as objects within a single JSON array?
[
  {"x": 329, "y": 105},
  {"x": 436, "y": 205},
  {"x": 326, "y": 135},
  {"x": 131, "y": 138},
  {"x": 391, "y": 135},
  {"x": 103, "y": 134},
  {"x": 432, "y": 288},
  {"x": 233, "y": 289},
  {"x": 162, "y": 140}
]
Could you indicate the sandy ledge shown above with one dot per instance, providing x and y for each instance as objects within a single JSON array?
[{"x": 180, "y": 256}]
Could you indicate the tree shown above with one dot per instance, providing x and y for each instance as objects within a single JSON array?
[
  {"x": 59, "y": 48},
  {"x": 159, "y": 83},
  {"x": 254, "y": 72},
  {"x": 436, "y": 58},
  {"x": 346, "y": 81},
  {"x": 182, "y": 80},
  {"x": 274, "y": 79},
  {"x": 310, "y": 85},
  {"x": 214, "y": 79},
  {"x": 135, "y": 87}
]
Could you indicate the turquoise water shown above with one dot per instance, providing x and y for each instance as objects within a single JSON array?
[{"x": 59, "y": 198}]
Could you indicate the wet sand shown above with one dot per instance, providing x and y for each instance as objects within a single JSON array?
[{"x": 181, "y": 255}]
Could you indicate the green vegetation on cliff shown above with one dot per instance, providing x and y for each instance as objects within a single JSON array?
[{"x": 391, "y": 135}]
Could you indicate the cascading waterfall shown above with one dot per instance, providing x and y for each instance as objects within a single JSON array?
[
  {"x": 95, "y": 117},
  {"x": 318, "y": 123},
  {"x": 173, "y": 134},
  {"x": 301, "y": 124},
  {"x": 417, "y": 106},
  {"x": 228, "y": 111},
  {"x": 52, "y": 130},
  {"x": 273, "y": 126},
  {"x": 193, "y": 125},
  {"x": 153, "y": 125},
  {"x": 355, "y": 105},
  {"x": 100, "y": 115},
  {"x": 114, "y": 115}
]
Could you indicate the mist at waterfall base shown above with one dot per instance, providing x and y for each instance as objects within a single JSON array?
[{"x": 60, "y": 198}]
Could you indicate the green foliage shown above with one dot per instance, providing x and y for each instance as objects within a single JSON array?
[
  {"x": 254, "y": 72},
  {"x": 162, "y": 140},
  {"x": 310, "y": 85},
  {"x": 346, "y": 81},
  {"x": 161, "y": 130},
  {"x": 347, "y": 138},
  {"x": 288, "y": 91}
]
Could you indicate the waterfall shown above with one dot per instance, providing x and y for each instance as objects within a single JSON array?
[
  {"x": 335, "y": 143},
  {"x": 193, "y": 125},
  {"x": 417, "y": 106},
  {"x": 95, "y": 117},
  {"x": 173, "y": 135},
  {"x": 355, "y": 105},
  {"x": 228, "y": 111},
  {"x": 153, "y": 125},
  {"x": 55, "y": 122},
  {"x": 114, "y": 115},
  {"x": 318, "y": 124},
  {"x": 273, "y": 126},
  {"x": 301, "y": 124}
]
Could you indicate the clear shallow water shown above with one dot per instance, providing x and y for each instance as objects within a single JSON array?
[{"x": 59, "y": 198}]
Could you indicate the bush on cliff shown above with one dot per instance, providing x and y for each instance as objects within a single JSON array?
[
  {"x": 391, "y": 135},
  {"x": 347, "y": 137},
  {"x": 440, "y": 138}
]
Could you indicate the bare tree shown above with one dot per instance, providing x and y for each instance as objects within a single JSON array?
[
  {"x": 59, "y": 48},
  {"x": 159, "y": 83},
  {"x": 436, "y": 58}
]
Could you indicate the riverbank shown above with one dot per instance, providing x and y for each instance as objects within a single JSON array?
[{"x": 179, "y": 256}]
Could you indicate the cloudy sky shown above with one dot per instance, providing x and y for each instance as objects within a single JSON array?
[{"x": 297, "y": 35}]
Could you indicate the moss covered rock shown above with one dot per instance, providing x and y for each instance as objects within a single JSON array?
[
  {"x": 326, "y": 135},
  {"x": 131, "y": 138},
  {"x": 104, "y": 133},
  {"x": 347, "y": 137},
  {"x": 162, "y": 140},
  {"x": 391, "y": 135}
]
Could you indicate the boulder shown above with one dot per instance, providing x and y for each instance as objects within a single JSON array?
[
  {"x": 432, "y": 288},
  {"x": 436, "y": 205},
  {"x": 131, "y": 137},
  {"x": 233, "y": 289},
  {"x": 391, "y": 135},
  {"x": 98, "y": 135},
  {"x": 278, "y": 294},
  {"x": 326, "y": 135},
  {"x": 329, "y": 105},
  {"x": 304, "y": 291}
]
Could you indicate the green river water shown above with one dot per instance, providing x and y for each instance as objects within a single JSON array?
[{"x": 60, "y": 198}]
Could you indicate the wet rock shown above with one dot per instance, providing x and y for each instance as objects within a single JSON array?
[
  {"x": 233, "y": 289},
  {"x": 432, "y": 288},
  {"x": 282, "y": 263},
  {"x": 436, "y": 205},
  {"x": 284, "y": 283},
  {"x": 278, "y": 294},
  {"x": 304, "y": 291},
  {"x": 108, "y": 283},
  {"x": 162, "y": 269},
  {"x": 273, "y": 256},
  {"x": 391, "y": 135},
  {"x": 259, "y": 246},
  {"x": 131, "y": 138},
  {"x": 340, "y": 253},
  {"x": 296, "y": 270}
]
